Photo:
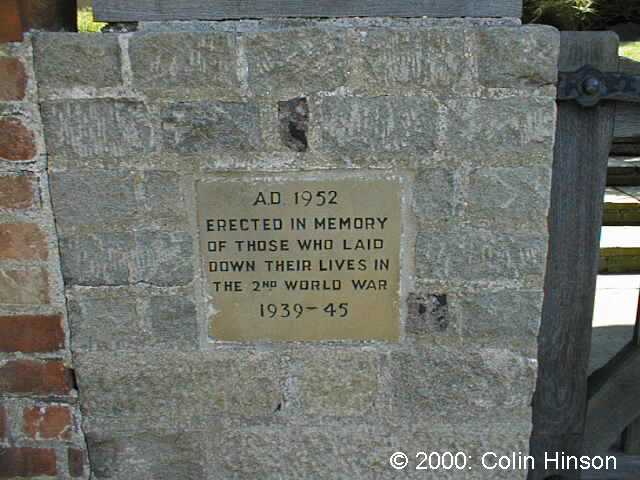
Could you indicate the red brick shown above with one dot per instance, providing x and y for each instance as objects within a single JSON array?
[
  {"x": 16, "y": 191},
  {"x": 13, "y": 79},
  {"x": 34, "y": 377},
  {"x": 27, "y": 462},
  {"x": 23, "y": 241},
  {"x": 47, "y": 422},
  {"x": 76, "y": 462},
  {"x": 31, "y": 333},
  {"x": 11, "y": 22},
  {"x": 17, "y": 142},
  {"x": 4, "y": 427}
]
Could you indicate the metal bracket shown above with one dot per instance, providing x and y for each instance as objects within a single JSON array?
[{"x": 588, "y": 86}]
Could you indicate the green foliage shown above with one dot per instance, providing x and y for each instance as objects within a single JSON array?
[
  {"x": 564, "y": 14},
  {"x": 86, "y": 23},
  {"x": 581, "y": 14},
  {"x": 631, "y": 50}
]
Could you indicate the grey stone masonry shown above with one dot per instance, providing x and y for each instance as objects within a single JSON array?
[
  {"x": 462, "y": 110},
  {"x": 76, "y": 61}
]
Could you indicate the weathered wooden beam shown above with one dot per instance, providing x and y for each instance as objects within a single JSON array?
[
  {"x": 146, "y": 10},
  {"x": 626, "y": 135},
  {"x": 631, "y": 437},
  {"x": 627, "y": 468},
  {"x": 619, "y": 260},
  {"x": 583, "y": 140},
  {"x": 627, "y": 122},
  {"x": 628, "y": 66},
  {"x": 614, "y": 391},
  {"x": 621, "y": 207},
  {"x": 623, "y": 171},
  {"x": 617, "y": 214}
]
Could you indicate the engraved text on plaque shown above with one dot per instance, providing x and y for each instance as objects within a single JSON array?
[{"x": 304, "y": 257}]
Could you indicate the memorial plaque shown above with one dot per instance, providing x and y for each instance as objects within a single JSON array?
[{"x": 302, "y": 256}]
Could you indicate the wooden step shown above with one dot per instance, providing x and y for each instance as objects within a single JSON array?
[
  {"x": 620, "y": 250},
  {"x": 621, "y": 206},
  {"x": 619, "y": 260},
  {"x": 623, "y": 171}
]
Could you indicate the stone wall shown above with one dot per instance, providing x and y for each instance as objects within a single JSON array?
[
  {"x": 40, "y": 432},
  {"x": 465, "y": 109}
]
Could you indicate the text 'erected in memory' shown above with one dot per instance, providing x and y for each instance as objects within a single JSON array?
[{"x": 305, "y": 259}]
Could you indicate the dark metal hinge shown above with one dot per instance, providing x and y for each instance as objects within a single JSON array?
[{"x": 588, "y": 86}]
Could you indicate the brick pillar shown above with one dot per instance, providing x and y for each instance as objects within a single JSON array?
[{"x": 40, "y": 431}]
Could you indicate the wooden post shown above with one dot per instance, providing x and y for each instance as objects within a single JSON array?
[
  {"x": 583, "y": 140},
  {"x": 631, "y": 437}
]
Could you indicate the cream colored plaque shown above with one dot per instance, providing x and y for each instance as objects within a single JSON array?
[{"x": 301, "y": 257}]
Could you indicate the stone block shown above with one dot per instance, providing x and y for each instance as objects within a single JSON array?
[
  {"x": 98, "y": 128},
  {"x": 161, "y": 456},
  {"x": 71, "y": 60},
  {"x": 428, "y": 314},
  {"x": 508, "y": 198},
  {"x": 381, "y": 124},
  {"x": 476, "y": 255},
  {"x": 443, "y": 383},
  {"x": 110, "y": 323},
  {"x": 17, "y": 191},
  {"x": 411, "y": 62},
  {"x": 434, "y": 195},
  {"x": 13, "y": 79},
  {"x": 17, "y": 141},
  {"x": 201, "y": 127},
  {"x": 131, "y": 391},
  {"x": 294, "y": 63},
  {"x": 338, "y": 383},
  {"x": 23, "y": 241},
  {"x": 162, "y": 201},
  {"x": 31, "y": 333},
  {"x": 97, "y": 259},
  {"x": 125, "y": 322},
  {"x": 328, "y": 451},
  {"x": 164, "y": 258},
  {"x": 184, "y": 65},
  {"x": 29, "y": 286},
  {"x": 503, "y": 314},
  {"x": 522, "y": 57},
  {"x": 509, "y": 131},
  {"x": 173, "y": 321},
  {"x": 476, "y": 438},
  {"x": 98, "y": 197}
]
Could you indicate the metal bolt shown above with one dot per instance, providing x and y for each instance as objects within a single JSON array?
[{"x": 591, "y": 86}]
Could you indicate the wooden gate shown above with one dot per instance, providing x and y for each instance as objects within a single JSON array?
[{"x": 575, "y": 414}]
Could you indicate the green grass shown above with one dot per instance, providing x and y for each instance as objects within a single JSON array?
[
  {"x": 631, "y": 50},
  {"x": 86, "y": 23}
]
